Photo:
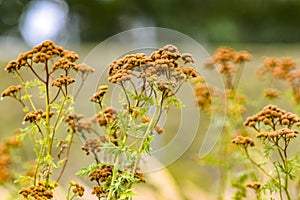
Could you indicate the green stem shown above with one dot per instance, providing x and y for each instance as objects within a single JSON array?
[
  {"x": 68, "y": 193},
  {"x": 26, "y": 91},
  {"x": 114, "y": 176},
  {"x": 116, "y": 168},
  {"x": 66, "y": 159},
  {"x": 279, "y": 180},
  {"x": 48, "y": 130},
  {"x": 286, "y": 184},
  {"x": 146, "y": 135},
  {"x": 258, "y": 166}
]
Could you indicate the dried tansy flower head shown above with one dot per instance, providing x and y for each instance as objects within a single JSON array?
[
  {"x": 163, "y": 64},
  {"x": 272, "y": 115},
  {"x": 279, "y": 68},
  {"x": 5, "y": 157},
  {"x": 202, "y": 92},
  {"x": 283, "y": 69},
  {"x": 39, "y": 192},
  {"x": 77, "y": 189},
  {"x": 109, "y": 115},
  {"x": 11, "y": 91},
  {"x": 44, "y": 52},
  {"x": 243, "y": 141},
  {"x": 229, "y": 62},
  {"x": 271, "y": 93}
]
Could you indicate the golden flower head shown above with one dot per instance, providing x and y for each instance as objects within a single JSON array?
[{"x": 11, "y": 91}]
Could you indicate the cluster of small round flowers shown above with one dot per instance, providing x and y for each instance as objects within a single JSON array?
[
  {"x": 284, "y": 132},
  {"x": 5, "y": 157},
  {"x": 243, "y": 141},
  {"x": 98, "y": 96},
  {"x": 284, "y": 69},
  {"x": 108, "y": 115},
  {"x": 225, "y": 55},
  {"x": 84, "y": 68},
  {"x": 202, "y": 92},
  {"x": 101, "y": 174},
  {"x": 159, "y": 130},
  {"x": 11, "y": 91},
  {"x": 78, "y": 189},
  {"x": 39, "y": 54},
  {"x": 163, "y": 62},
  {"x": 280, "y": 68},
  {"x": 99, "y": 191},
  {"x": 63, "y": 80},
  {"x": 271, "y": 93},
  {"x": 72, "y": 121},
  {"x": 38, "y": 192},
  {"x": 35, "y": 116},
  {"x": 272, "y": 115},
  {"x": 92, "y": 145}
]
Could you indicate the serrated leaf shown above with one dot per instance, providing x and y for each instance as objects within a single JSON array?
[
  {"x": 86, "y": 171},
  {"x": 23, "y": 179}
]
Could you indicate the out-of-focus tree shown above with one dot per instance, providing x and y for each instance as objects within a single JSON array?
[{"x": 215, "y": 20}]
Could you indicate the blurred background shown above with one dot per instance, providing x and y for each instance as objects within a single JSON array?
[
  {"x": 263, "y": 27},
  {"x": 74, "y": 21}
]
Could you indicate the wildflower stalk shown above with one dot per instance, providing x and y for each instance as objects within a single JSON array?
[
  {"x": 43, "y": 133},
  {"x": 25, "y": 89}
]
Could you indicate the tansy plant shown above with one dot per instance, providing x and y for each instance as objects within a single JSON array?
[
  {"x": 275, "y": 130},
  {"x": 116, "y": 138},
  {"x": 148, "y": 86},
  {"x": 46, "y": 70},
  {"x": 230, "y": 64}
]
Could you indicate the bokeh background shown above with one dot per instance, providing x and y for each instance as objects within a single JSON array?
[{"x": 263, "y": 27}]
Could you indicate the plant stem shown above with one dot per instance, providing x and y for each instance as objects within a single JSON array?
[
  {"x": 258, "y": 166},
  {"x": 26, "y": 92},
  {"x": 48, "y": 130},
  {"x": 147, "y": 133}
]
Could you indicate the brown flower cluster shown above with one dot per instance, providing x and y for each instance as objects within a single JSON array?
[
  {"x": 283, "y": 69},
  {"x": 102, "y": 174},
  {"x": 84, "y": 68},
  {"x": 254, "y": 185},
  {"x": 99, "y": 191},
  {"x": 72, "y": 120},
  {"x": 5, "y": 157},
  {"x": 280, "y": 68},
  {"x": 272, "y": 115},
  {"x": 11, "y": 91},
  {"x": 229, "y": 61},
  {"x": 38, "y": 192},
  {"x": 78, "y": 189},
  {"x": 92, "y": 145},
  {"x": 163, "y": 62},
  {"x": 42, "y": 54},
  {"x": 35, "y": 116},
  {"x": 202, "y": 93},
  {"x": 63, "y": 80},
  {"x": 98, "y": 96},
  {"x": 157, "y": 128},
  {"x": 225, "y": 56},
  {"x": 243, "y": 141},
  {"x": 109, "y": 115},
  {"x": 284, "y": 132},
  {"x": 271, "y": 93}
]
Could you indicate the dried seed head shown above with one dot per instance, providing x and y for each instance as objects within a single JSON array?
[
  {"x": 243, "y": 141},
  {"x": 11, "y": 91}
]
